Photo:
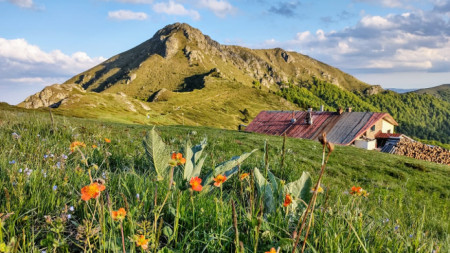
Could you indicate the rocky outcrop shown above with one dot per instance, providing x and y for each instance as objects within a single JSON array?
[
  {"x": 160, "y": 95},
  {"x": 373, "y": 90},
  {"x": 50, "y": 96}
]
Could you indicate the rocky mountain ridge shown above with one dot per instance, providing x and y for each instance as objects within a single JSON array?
[{"x": 179, "y": 57}]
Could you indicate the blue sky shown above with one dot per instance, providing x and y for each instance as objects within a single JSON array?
[{"x": 394, "y": 43}]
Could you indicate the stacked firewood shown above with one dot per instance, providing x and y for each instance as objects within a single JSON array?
[{"x": 422, "y": 151}]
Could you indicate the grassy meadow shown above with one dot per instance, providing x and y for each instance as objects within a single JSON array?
[{"x": 43, "y": 181}]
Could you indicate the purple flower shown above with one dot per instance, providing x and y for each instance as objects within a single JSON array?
[
  {"x": 12, "y": 162},
  {"x": 15, "y": 136},
  {"x": 55, "y": 187},
  {"x": 71, "y": 208}
]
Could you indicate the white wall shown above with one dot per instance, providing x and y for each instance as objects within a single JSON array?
[
  {"x": 386, "y": 126},
  {"x": 369, "y": 145}
]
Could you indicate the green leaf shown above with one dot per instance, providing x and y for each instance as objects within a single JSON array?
[
  {"x": 165, "y": 250},
  {"x": 228, "y": 168},
  {"x": 194, "y": 159},
  {"x": 189, "y": 165},
  {"x": 167, "y": 231},
  {"x": 157, "y": 153},
  {"x": 265, "y": 191}
]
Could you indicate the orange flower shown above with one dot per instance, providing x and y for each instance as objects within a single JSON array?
[
  {"x": 196, "y": 184},
  {"x": 272, "y": 250},
  {"x": 119, "y": 214},
  {"x": 243, "y": 176},
  {"x": 75, "y": 144},
  {"x": 141, "y": 241},
  {"x": 94, "y": 146},
  {"x": 356, "y": 190},
  {"x": 107, "y": 140},
  {"x": 177, "y": 159},
  {"x": 219, "y": 180},
  {"x": 287, "y": 200},
  {"x": 91, "y": 191}
]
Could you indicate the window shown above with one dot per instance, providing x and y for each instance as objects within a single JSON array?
[{"x": 372, "y": 128}]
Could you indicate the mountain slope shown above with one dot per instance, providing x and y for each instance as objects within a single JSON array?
[
  {"x": 181, "y": 76},
  {"x": 441, "y": 92}
]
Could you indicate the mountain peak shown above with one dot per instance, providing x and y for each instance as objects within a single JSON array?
[{"x": 169, "y": 29}]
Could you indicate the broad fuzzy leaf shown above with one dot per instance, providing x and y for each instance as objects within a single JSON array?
[
  {"x": 194, "y": 159},
  {"x": 265, "y": 191},
  {"x": 272, "y": 196},
  {"x": 300, "y": 189},
  {"x": 157, "y": 153},
  {"x": 228, "y": 168}
]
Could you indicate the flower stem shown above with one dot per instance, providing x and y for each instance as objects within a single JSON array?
[{"x": 123, "y": 238}]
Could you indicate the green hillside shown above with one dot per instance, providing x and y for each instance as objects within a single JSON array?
[
  {"x": 420, "y": 116},
  {"x": 441, "y": 91},
  {"x": 41, "y": 207}
]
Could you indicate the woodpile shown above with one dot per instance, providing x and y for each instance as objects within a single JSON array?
[{"x": 422, "y": 151}]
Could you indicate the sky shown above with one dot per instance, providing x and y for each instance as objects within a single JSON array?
[{"x": 392, "y": 43}]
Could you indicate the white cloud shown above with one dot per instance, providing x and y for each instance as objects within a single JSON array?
[
  {"x": 303, "y": 36},
  {"x": 19, "y": 59},
  {"x": 220, "y": 7},
  {"x": 26, "y": 69},
  {"x": 127, "y": 15},
  {"x": 413, "y": 41},
  {"x": 376, "y": 22},
  {"x": 172, "y": 8},
  {"x": 23, "y": 3},
  {"x": 389, "y": 3}
]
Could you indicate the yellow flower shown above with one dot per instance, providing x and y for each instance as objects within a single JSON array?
[
  {"x": 319, "y": 189},
  {"x": 3, "y": 247}
]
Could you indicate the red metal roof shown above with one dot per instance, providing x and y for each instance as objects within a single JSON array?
[
  {"x": 340, "y": 128},
  {"x": 381, "y": 135}
]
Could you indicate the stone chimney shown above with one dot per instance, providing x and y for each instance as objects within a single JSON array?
[
  {"x": 309, "y": 109},
  {"x": 349, "y": 109},
  {"x": 321, "y": 108},
  {"x": 340, "y": 110}
]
